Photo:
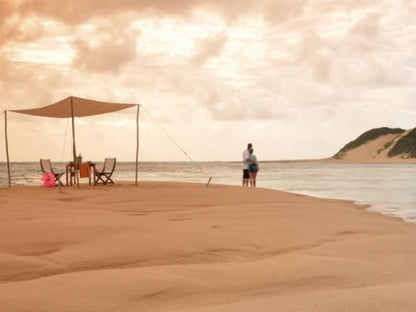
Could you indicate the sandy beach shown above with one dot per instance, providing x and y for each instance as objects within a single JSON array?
[{"x": 187, "y": 247}]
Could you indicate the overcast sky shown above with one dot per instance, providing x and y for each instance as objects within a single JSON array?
[{"x": 297, "y": 78}]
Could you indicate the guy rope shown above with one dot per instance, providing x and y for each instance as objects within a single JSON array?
[{"x": 183, "y": 151}]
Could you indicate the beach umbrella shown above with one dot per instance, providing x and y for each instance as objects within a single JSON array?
[{"x": 72, "y": 107}]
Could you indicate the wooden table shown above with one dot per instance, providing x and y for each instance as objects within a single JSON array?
[{"x": 70, "y": 171}]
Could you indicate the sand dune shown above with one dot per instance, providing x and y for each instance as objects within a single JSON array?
[
  {"x": 187, "y": 247},
  {"x": 375, "y": 151}
]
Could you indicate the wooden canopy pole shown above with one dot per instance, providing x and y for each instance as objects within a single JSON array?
[
  {"x": 137, "y": 143},
  {"x": 74, "y": 145},
  {"x": 7, "y": 149}
]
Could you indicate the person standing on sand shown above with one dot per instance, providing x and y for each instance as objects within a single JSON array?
[
  {"x": 246, "y": 163},
  {"x": 253, "y": 168}
]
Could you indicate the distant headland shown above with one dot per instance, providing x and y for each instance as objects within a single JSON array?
[{"x": 380, "y": 145}]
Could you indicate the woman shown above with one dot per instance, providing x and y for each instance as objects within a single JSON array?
[{"x": 253, "y": 168}]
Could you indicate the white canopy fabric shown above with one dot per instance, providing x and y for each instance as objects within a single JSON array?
[{"x": 74, "y": 107}]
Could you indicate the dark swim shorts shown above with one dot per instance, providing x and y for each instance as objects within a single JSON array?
[
  {"x": 252, "y": 168},
  {"x": 245, "y": 174}
]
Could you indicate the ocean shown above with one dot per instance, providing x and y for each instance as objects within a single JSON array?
[{"x": 387, "y": 188}]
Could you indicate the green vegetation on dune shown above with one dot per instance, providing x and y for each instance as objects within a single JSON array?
[
  {"x": 405, "y": 145},
  {"x": 366, "y": 137},
  {"x": 386, "y": 146}
]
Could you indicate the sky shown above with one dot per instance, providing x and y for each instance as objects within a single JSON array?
[{"x": 297, "y": 78}]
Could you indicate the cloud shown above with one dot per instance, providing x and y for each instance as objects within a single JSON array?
[
  {"x": 16, "y": 32},
  {"x": 242, "y": 62},
  {"x": 80, "y": 11},
  {"x": 6, "y": 10},
  {"x": 25, "y": 85},
  {"x": 365, "y": 33},
  {"x": 208, "y": 48},
  {"x": 283, "y": 10},
  {"x": 106, "y": 54},
  {"x": 313, "y": 52},
  {"x": 13, "y": 29},
  {"x": 367, "y": 27}
]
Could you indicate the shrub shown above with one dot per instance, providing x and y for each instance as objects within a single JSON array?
[{"x": 405, "y": 145}]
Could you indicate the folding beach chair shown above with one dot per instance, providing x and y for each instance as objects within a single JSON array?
[
  {"x": 46, "y": 166},
  {"x": 104, "y": 176}
]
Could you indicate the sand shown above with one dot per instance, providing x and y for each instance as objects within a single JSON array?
[{"x": 187, "y": 247}]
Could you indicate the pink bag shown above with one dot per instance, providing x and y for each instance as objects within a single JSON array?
[{"x": 48, "y": 179}]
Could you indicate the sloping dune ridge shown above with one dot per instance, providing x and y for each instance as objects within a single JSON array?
[
  {"x": 187, "y": 247},
  {"x": 375, "y": 151}
]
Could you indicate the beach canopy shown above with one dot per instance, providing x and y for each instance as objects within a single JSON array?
[
  {"x": 72, "y": 107},
  {"x": 75, "y": 107}
]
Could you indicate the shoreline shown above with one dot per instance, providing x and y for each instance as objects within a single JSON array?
[
  {"x": 164, "y": 246},
  {"x": 372, "y": 207}
]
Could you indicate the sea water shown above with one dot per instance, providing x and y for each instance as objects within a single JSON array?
[{"x": 387, "y": 188}]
